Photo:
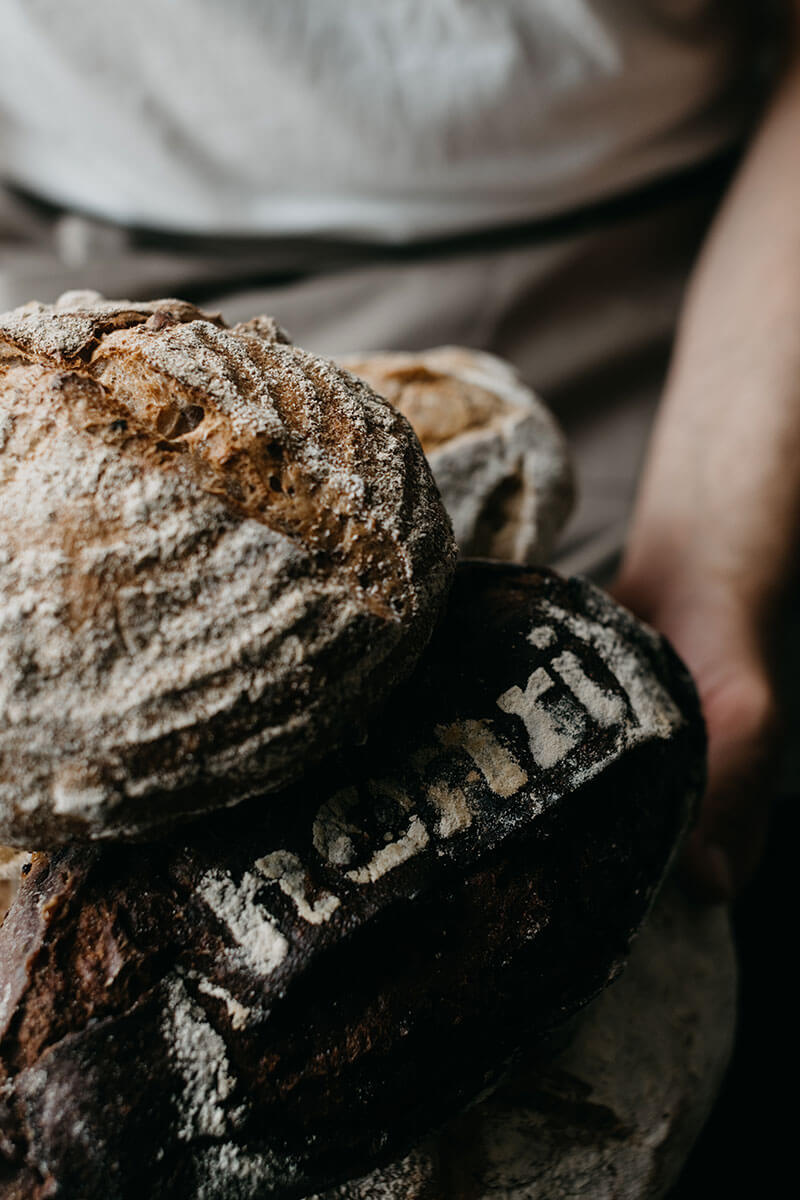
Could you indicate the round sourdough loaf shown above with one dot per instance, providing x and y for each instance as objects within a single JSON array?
[
  {"x": 498, "y": 456},
  {"x": 302, "y": 989},
  {"x": 217, "y": 553}
]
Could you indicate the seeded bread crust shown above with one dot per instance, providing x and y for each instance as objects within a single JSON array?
[
  {"x": 218, "y": 552},
  {"x": 303, "y": 989}
]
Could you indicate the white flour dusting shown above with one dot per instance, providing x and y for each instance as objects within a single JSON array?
[
  {"x": 333, "y": 831},
  {"x": 239, "y": 1014},
  {"x": 453, "y": 808},
  {"x": 551, "y": 739},
  {"x": 4, "y": 1003},
  {"x": 656, "y": 712},
  {"x": 262, "y": 946},
  {"x": 542, "y": 636},
  {"x": 233, "y": 1170},
  {"x": 499, "y": 768},
  {"x": 172, "y": 491},
  {"x": 607, "y": 708},
  {"x": 287, "y": 870},
  {"x": 485, "y": 433},
  {"x": 413, "y": 840},
  {"x": 199, "y": 1053}
]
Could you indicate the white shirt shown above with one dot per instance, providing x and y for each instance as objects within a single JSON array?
[
  {"x": 386, "y": 121},
  {"x": 376, "y": 119}
]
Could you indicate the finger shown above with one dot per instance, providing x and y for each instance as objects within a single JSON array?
[
  {"x": 722, "y": 853},
  {"x": 724, "y": 850}
]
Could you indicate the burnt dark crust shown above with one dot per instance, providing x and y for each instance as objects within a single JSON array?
[{"x": 416, "y": 990}]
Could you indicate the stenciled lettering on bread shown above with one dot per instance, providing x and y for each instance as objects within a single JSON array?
[{"x": 296, "y": 992}]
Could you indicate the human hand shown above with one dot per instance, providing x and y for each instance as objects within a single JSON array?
[
  {"x": 715, "y": 531},
  {"x": 719, "y": 639}
]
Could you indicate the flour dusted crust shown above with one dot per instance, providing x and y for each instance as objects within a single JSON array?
[
  {"x": 12, "y": 861},
  {"x": 218, "y": 552},
  {"x": 301, "y": 991},
  {"x": 498, "y": 456}
]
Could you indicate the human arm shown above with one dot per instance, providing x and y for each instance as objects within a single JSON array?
[{"x": 714, "y": 527}]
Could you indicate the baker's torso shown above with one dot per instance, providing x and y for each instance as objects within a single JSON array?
[{"x": 390, "y": 121}]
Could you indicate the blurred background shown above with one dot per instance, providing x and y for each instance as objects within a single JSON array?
[{"x": 529, "y": 177}]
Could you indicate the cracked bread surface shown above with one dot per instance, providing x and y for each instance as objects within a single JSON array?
[{"x": 218, "y": 553}]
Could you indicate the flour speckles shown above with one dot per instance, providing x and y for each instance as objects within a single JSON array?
[
  {"x": 542, "y": 636},
  {"x": 392, "y": 855},
  {"x": 241, "y": 1015},
  {"x": 607, "y": 708},
  {"x": 551, "y": 738},
  {"x": 256, "y": 1008},
  {"x": 239, "y": 1173},
  {"x": 451, "y": 804},
  {"x": 654, "y": 710},
  {"x": 333, "y": 830},
  {"x": 499, "y": 458},
  {"x": 288, "y": 871},
  {"x": 201, "y": 1059},
  {"x": 212, "y": 543},
  {"x": 261, "y": 945},
  {"x": 500, "y": 769}
]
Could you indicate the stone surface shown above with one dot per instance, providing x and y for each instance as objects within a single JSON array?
[
  {"x": 614, "y": 1115},
  {"x": 300, "y": 990},
  {"x": 496, "y": 451}
]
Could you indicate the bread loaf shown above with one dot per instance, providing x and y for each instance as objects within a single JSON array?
[
  {"x": 305, "y": 987},
  {"x": 217, "y": 553},
  {"x": 11, "y": 862},
  {"x": 498, "y": 456}
]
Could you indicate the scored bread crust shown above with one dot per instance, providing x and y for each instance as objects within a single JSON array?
[
  {"x": 498, "y": 455},
  {"x": 218, "y": 553}
]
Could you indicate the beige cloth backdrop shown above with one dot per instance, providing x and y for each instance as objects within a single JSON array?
[{"x": 586, "y": 313}]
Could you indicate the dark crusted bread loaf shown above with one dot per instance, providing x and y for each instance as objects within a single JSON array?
[
  {"x": 304, "y": 988},
  {"x": 497, "y": 454},
  {"x": 217, "y": 553}
]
